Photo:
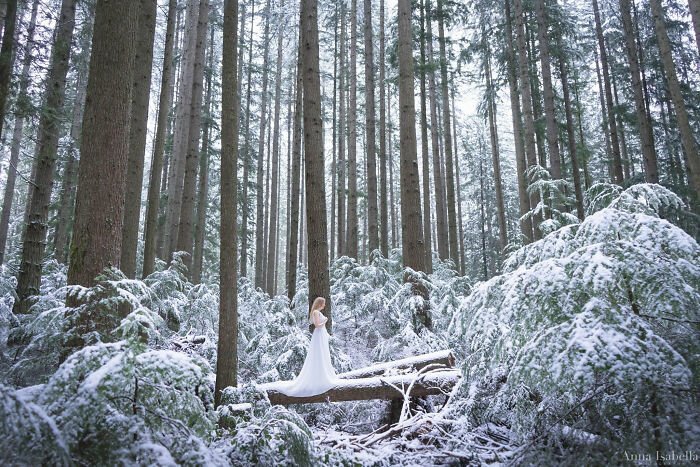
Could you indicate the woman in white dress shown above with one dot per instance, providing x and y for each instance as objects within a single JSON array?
[{"x": 317, "y": 375}]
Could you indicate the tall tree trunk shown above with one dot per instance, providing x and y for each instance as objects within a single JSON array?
[
  {"x": 443, "y": 243},
  {"x": 563, "y": 72},
  {"x": 342, "y": 135},
  {"x": 394, "y": 216},
  {"x": 690, "y": 145},
  {"x": 460, "y": 222},
  {"x": 7, "y": 56},
  {"x": 17, "y": 131},
  {"x": 292, "y": 253},
  {"x": 646, "y": 136},
  {"x": 181, "y": 137},
  {"x": 521, "y": 164},
  {"x": 154, "y": 186},
  {"x": 334, "y": 165},
  {"x": 313, "y": 148},
  {"x": 427, "y": 224},
  {"x": 352, "y": 222},
  {"x": 482, "y": 221},
  {"x": 604, "y": 113},
  {"x": 495, "y": 152},
  {"x": 411, "y": 219},
  {"x": 548, "y": 91},
  {"x": 274, "y": 201},
  {"x": 383, "y": 196},
  {"x": 449, "y": 169},
  {"x": 203, "y": 186},
  {"x": 260, "y": 200},
  {"x": 529, "y": 127},
  {"x": 247, "y": 152},
  {"x": 227, "y": 349},
  {"x": 34, "y": 241},
  {"x": 140, "y": 98},
  {"x": 370, "y": 132},
  {"x": 185, "y": 233},
  {"x": 617, "y": 158},
  {"x": 99, "y": 203}
]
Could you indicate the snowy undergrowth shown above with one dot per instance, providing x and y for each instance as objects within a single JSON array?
[{"x": 589, "y": 340}]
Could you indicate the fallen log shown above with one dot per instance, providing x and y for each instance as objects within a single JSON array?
[
  {"x": 442, "y": 357},
  {"x": 378, "y": 387}
]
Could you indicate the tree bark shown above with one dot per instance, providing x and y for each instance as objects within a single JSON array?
[
  {"x": 17, "y": 131},
  {"x": 313, "y": 151},
  {"x": 292, "y": 253},
  {"x": 7, "y": 56},
  {"x": 99, "y": 205},
  {"x": 274, "y": 200},
  {"x": 548, "y": 91},
  {"x": 247, "y": 152},
  {"x": 394, "y": 216},
  {"x": 185, "y": 225},
  {"x": 34, "y": 241},
  {"x": 203, "y": 185},
  {"x": 443, "y": 244},
  {"x": 694, "y": 6},
  {"x": 521, "y": 164},
  {"x": 181, "y": 137},
  {"x": 617, "y": 158},
  {"x": 411, "y": 219},
  {"x": 529, "y": 127},
  {"x": 140, "y": 97},
  {"x": 342, "y": 135},
  {"x": 441, "y": 357},
  {"x": 383, "y": 196},
  {"x": 227, "y": 349},
  {"x": 260, "y": 208},
  {"x": 352, "y": 222},
  {"x": 427, "y": 224},
  {"x": 651, "y": 170},
  {"x": 154, "y": 186},
  {"x": 449, "y": 169},
  {"x": 690, "y": 145},
  {"x": 370, "y": 133}
]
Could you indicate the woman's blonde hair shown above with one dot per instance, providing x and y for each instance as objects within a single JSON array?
[{"x": 319, "y": 304}]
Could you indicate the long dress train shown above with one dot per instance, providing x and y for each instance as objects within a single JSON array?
[{"x": 317, "y": 375}]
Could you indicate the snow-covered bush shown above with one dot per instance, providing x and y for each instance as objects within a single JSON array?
[{"x": 590, "y": 337}]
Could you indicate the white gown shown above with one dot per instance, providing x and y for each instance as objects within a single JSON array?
[{"x": 317, "y": 375}]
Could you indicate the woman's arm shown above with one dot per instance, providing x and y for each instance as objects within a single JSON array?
[{"x": 319, "y": 319}]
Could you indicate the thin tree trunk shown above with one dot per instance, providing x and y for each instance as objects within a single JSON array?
[
  {"x": 99, "y": 203},
  {"x": 17, "y": 131},
  {"x": 521, "y": 164},
  {"x": 383, "y": 197},
  {"x": 651, "y": 169},
  {"x": 370, "y": 133},
  {"x": 154, "y": 186},
  {"x": 260, "y": 208},
  {"x": 342, "y": 135},
  {"x": 495, "y": 153},
  {"x": 247, "y": 152},
  {"x": 443, "y": 244},
  {"x": 274, "y": 200},
  {"x": 334, "y": 166},
  {"x": 617, "y": 158},
  {"x": 394, "y": 216},
  {"x": 604, "y": 113},
  {"x": 694, "y": 6},
  {"x": 529, "y": 128},
  {"x": 690, "y": 145},
  {"x": 427, "y": 224},
  {"x": 140, "y": 97},
  {"x": 227, "y": 350},
  {"x": 482, "y": 221},
  {"x": 548, "y": 91},
  {"x": 34, "y": 241},
  {"x": 313, "y": 148},
  {"x": 563, "y": 72},
  {"x": 352, "y": 223},
  {"x": 449, "y": 169},
  {"x": 460, "y": 222},
  {"x": 7, "y": 56},
  {"x": 181, "y": 137},
  {"x": 203, "y": 187},
  {"x": 292, "y": 253},
  {"x": 185, "y": 235}
]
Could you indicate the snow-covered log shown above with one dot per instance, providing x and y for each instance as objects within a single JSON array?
[
  {"x": 442, "y": 357},
  {"x": 378, "y": 387}
]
